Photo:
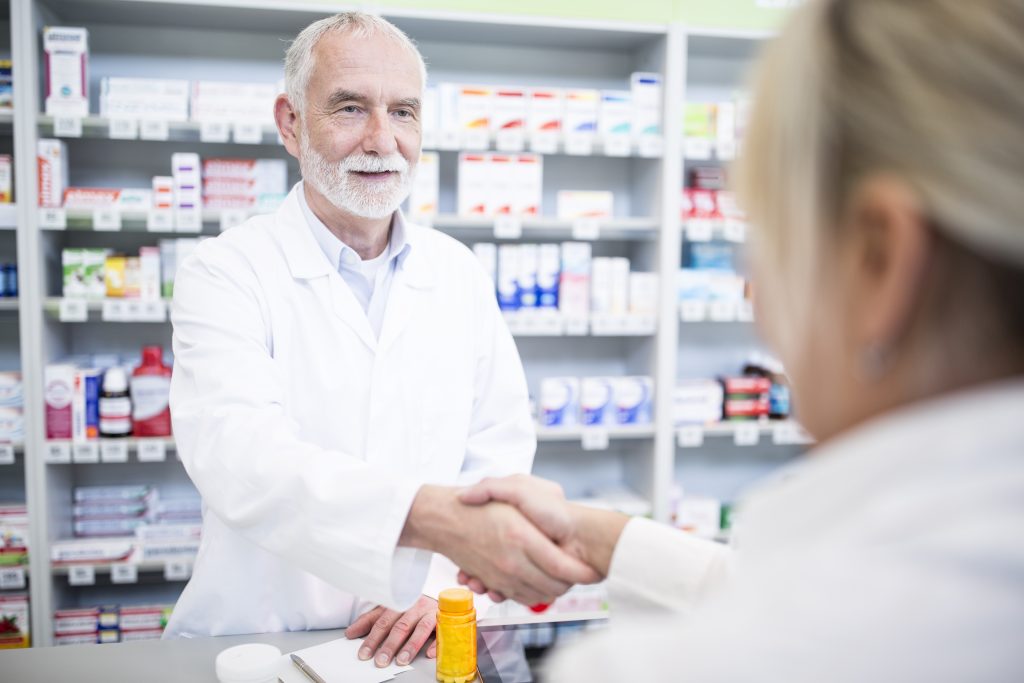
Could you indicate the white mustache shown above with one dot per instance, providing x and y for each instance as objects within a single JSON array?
[{"x": 368, "y": 163}]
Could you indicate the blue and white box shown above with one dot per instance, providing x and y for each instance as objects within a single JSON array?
[
  {"x": 549, "y": 270},
  {"x": 508, "y": 273},
  {"x": 559, "y": 401},
  {"x": 634, "y": 400},
  {"x": 597, "y": 401},
  {"x": 526, "y": 280}
]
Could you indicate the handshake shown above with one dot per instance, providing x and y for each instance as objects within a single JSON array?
[{"x": 515, "y": 537}]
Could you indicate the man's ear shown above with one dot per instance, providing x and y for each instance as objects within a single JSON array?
[{"x": 287, "y": 120}]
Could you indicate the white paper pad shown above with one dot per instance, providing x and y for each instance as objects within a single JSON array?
[{"x": 337, "y": 662}]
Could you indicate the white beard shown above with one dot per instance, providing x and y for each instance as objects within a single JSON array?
[{"x": 346, "y": 191}]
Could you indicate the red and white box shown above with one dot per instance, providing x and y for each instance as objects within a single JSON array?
[{"x": 52, "y": 169}]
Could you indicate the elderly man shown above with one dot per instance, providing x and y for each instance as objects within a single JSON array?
[{"x": 339, "y": 372}]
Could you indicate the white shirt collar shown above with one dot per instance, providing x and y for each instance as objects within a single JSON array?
[{"x": 340, "y": 254}]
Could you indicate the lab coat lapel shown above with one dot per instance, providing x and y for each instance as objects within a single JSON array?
[
  {"x": 306, "y": 261},
  {"x": 410, "y": 290}
]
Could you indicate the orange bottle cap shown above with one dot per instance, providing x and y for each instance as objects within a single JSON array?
[{"x": 455, "y": 600}]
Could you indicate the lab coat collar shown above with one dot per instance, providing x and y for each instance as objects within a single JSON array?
[{"x": 306, "y": 258}]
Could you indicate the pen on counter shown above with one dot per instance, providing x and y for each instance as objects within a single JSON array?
[{"x": 310, "y": 674}]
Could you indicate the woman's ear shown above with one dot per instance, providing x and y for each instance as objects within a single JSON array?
[{"x": 888, "y": 244}]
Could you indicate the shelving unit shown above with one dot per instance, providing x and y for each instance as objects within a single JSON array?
[{"x": 243, "y": 40}]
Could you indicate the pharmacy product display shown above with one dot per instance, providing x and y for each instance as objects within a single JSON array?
[
  {"x": 15, "y": 631},
  {"x": 12, "y": 408},
  {"x": 104, "y": 274},
  {"x": 715, "y": 127},
  {"x": 500, "y": 184},
  {"x": 86, "y": 402},
  {"x": 548, "y": 119},
  {"x": 13, "y": 534},
  {"x": 6, "y": 171},
  {"x": 110, "y": 624},
  {"x": 566, "y": 278},
  {"x": 119, "y": 511},
  {"x": 596, "y": 401},
  {"x": 177, "y": 200}
]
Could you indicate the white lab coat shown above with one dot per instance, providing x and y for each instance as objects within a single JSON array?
[
  {"x": 308, "y": 437},
  {"x": 895, "y": 553}
]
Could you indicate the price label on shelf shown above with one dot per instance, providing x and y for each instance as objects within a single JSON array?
[
  {"x": 722, "y": 311},
  {"x": 586, "y": 229},
  {"x": 188, "y": 220},
  {"x": 618, "y": 145},
  {"x": 785, "y": 434},
  {"x": 6, "y": 454},
  {"x": 123, "y": 128},
  {"x": 58, "y": 452},
  {"x": 160, "y": 220},
  {"x": 726, "y": 150},
  {"x": 508, "y": 227},
  {"x": 651, "y": 146},
  {"x": 544, "y": 143},
  {"x": 152, "y": 450},
  {"x": 177, "y": 570},
  {"x": 214, "y": 131},
  {"x": 67, "y": 126},
  {"x": 12, "y": 578},
  {"x": 747, "y": 434},
  {"x": 734, "y": 230},
  {"x": 85, "y": 452},
  {"x": 107, "y": 219},
  {"x": 229, "y": 218},
  {"x": 154, "y": 129},
  {"x": 113, "y": 451},
  {"x": 449, "y": 140},
  {"x": 698, "y": 149},
  {"x": 745, "y": 311},
  {"x": 114, "y": 311},
  {"x": 73, "y": 310},
  {"x": 82, "y": 575},
  {"x": 475, "y": 140},
  {"x": 248, "y": 133},
  {"x": 699, "y": 230},
  {"x": 594, "y": 439},
  {"x": 576, "y": 327},
  {"x": 152, "y": 312},
  {"x": 510, "y": 140},
  {"x": 691, "y": 311},
  {"x": 430, "y": 139},
  {"x": 690, "y": 436},
  {"x": 124, "y": 572},
  {"x": 579, "y": 144},
  {"x": 53, "y": 219}
]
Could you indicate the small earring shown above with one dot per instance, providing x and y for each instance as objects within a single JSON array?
[{"x": 874, "y": 362}]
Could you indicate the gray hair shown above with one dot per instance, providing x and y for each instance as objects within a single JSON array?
[
  {"x": 298, "y": 60},
  {"x": 929, "y": 90}
]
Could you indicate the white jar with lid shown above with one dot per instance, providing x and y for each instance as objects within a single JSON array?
[{"x": 249, "y": 663}]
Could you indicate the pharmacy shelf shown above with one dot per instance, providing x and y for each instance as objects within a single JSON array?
[
  {"x": 481, "y": 229},
  {"x": 551, "y": 323},
  {"x": 136, "y": 221},
  {"x": 149, "y": 571},
  {"x": 705, "y": 230},
  {"x": 774, "y": 432},
  {"x": 9, "y": 304},
  {"x": 716, "y": 312},
  {"x": 71, "y": 310},
  {"x": 697, "y": 150},
  {"x": 166, "y": 131},
  {"x": 579, "y": 433},
  {"x": 8, "y": 216},
  {"x": 108, "y": 451},
  {"x": 6, "y": 121}
]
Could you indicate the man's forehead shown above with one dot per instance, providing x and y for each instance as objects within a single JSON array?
[{"x": 376, "y": 54}]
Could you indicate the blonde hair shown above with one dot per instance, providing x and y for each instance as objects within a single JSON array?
[
  {"x": 930, "y": 90},
  {"x": 298, "y": 60}
]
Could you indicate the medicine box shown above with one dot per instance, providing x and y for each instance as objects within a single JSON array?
[
  {"x": 559, "y": 401},
  {"x": 65, "y": 68}
]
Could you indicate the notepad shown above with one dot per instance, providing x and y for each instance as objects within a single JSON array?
[{"x": 337, "y": 662}]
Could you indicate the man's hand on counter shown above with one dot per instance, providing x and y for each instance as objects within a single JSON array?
[
  {"x": 389, "y": 632},
  {"x": 494, "y": 542}
]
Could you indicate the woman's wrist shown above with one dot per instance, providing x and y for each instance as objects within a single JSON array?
[{"x": 598, "y": 532}]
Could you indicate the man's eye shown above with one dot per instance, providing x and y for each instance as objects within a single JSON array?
[
  {"x": 404, "y": 113},
  {"x": 350, "y": 109}
]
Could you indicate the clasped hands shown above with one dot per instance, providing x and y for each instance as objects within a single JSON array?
[{"x": 514, "y": 537}]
